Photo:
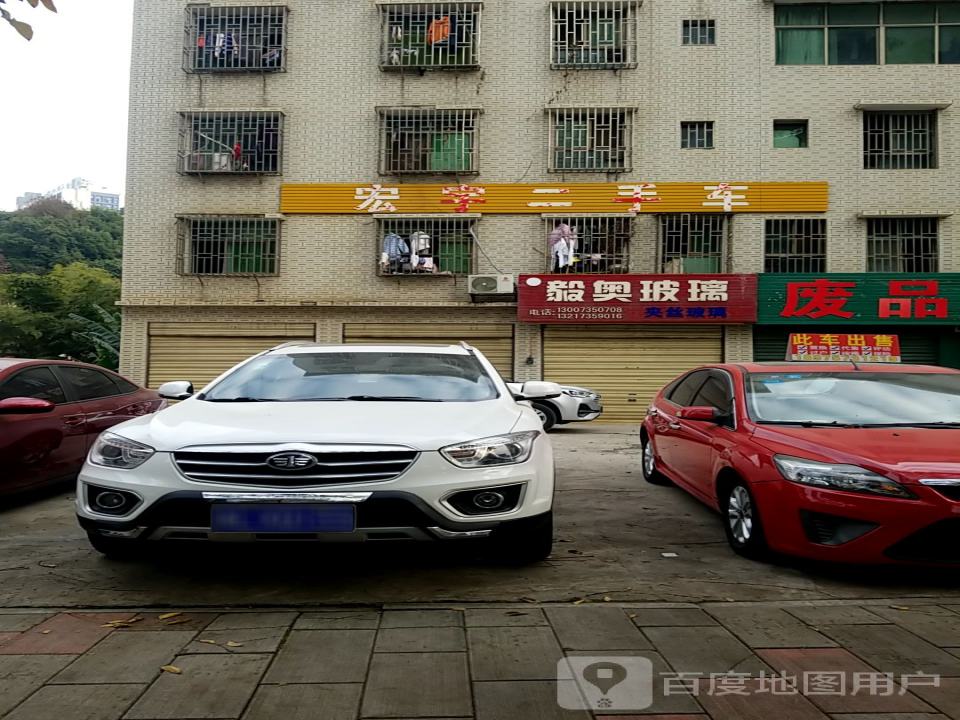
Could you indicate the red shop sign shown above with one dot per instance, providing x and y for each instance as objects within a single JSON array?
[
  {"x": 827, "y": 347},
  {"x": 702, "y": 299}
]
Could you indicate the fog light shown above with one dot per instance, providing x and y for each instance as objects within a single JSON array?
[
  {"x": 488, "y": 500},
  {"x": 111, "y": 502}
]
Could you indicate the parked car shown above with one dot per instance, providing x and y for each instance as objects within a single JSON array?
[
  {"x": 575, "y": 404},
  {"x": 313, "y": 442},
  {"x": 848, "y": 462},
  {"x": 50, "y": 413}
]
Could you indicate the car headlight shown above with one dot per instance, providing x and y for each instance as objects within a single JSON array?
[
  {"x": 500, "y": 450},
  {"x": 578, "y": 393},
  {"x": 839, "y": 477},
  {"x": 114, "y": 451}
]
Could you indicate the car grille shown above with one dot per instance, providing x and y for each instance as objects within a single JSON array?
[
  {"x": 332, "y": 468},
  {"x": 937, "y": 543}
]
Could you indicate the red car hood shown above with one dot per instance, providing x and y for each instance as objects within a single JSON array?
[{"x": 910, "y": 453}]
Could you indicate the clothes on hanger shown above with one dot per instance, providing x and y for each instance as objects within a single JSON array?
[
  {"x": 563, "y": 246},
  {"x": 439, "y": 31}
]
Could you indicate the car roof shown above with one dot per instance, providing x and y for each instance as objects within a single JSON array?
[
  {"x": 840, "y": 367},
  {"x": 313, "y": 348},
  {"x": 9, "y": 362}
]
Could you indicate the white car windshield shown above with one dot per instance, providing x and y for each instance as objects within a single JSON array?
[
  {"x": 863, "y": 399},
  {"x": 357, "y": 376}
]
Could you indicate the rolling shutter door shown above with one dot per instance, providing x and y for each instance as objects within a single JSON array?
[
  {"x": 493, "y": 340},
  {"x": 626, "y": 365},
  {"x": 916, "y": 347},
  {"x": 199, "y": 352}
]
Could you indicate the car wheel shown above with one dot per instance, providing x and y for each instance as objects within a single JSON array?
[
  {"x": 115, "y": 548},
  {"x": 649, "y": 465},
  {"x": 524, "y": 543},
  {"x": 548, "y": 416},
  {"x": 741, "y": 521}
]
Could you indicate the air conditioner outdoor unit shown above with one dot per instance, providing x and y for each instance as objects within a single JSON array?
[{"x": 491, "y": 288}]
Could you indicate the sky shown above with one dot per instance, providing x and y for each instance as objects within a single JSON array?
[{"x": 65, "y": 92}]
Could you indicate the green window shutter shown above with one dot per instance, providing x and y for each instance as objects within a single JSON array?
[
  {"x": 451, "y": 152},
  {"x": 800, "y": 46},
  {"x": 455, "y": 255},
  {"x": 909, "y": 45}
]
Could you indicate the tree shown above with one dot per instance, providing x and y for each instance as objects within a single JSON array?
[{"x": 21, "y": 27}]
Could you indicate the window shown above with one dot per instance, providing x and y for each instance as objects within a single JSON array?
[
  {"x": 699, "y": 32},
  {"x": 592, "y": 245},
  {"x": 900, "y": 140},
  {"x": 230, "y": 143},
  {"x": 591, "y": 139},
  {"x": 696, "y": 135},
  {"x": 683, "y": 392},
  {"x": 795, "y": 246},
  {"x": 849, "y": 34},
  {"x": 907, "y": 245},
  {"x": 716, "y": 393},
  {"x": 37, "y": 382},
  {"x": 235, "y": 39},
  {"x": 426, "y": 246},
  {"x": 228, "y": 245},
  {"x": 429, "y": 35},
  {"x": 593, "y": 34},
  {"x": 692, "y": 243},
  {"x": 790, "y": 133},
  {"x": 427, "y": 140},
  {"x": 88, "y": 384}
]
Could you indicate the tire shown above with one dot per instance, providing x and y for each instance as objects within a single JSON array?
[
  {"x": 524, "y": 543},
  {"x": 547, "y": 414},
  {"x": 742, "y": 523},
  {"x": 648, "y": 464},
  {"x": 115, "y": 548}
]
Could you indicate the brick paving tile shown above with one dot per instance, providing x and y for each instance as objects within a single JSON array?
[
  {"x": 64, "y": 634},
  {"x": 20, "y": 675},
  {"x": 322, "y": 656},
  {"x": 6, "y": 637},
  {"x": 252, "y": 640},
  {"x": 209, "y": 686},
  {"x": 77, "y": 702},
  {"x": 125, "y": 658},
  {"x": 17, "y": 622},
  {"x": 305, "y": 702},
  {"x": 890, "y": 648},
  {"x": 756, "y": 704},
  {"x": 945, "y": 698},
  {"x": 934, "y": 624},
  {"x": 651, "y": 717},
  {"x": 339, "y": 620},
  {"x": 242, "y": 621},
  {"x": 888, "y": 716},
  {"x": 151, "y": 620},
  {"x": 405, "y": 640},
  {"x": 704, "y": 650},
  {"x": 818, "y": 615},
  {"x": 521, "y": 701},
  {"x": 595, "y": 627},
  {"x": 421, "y": 618},
  {"x": 669, "y": 617},
  {"x": 768, "y": 627},
  {"x": 496, "y": 617},
  {"x": 795, "y": 662},
  {"x": 417, "y": 685},
  {"x": 513, "y": 653}
]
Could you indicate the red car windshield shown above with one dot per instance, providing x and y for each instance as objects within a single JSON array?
[{"x": 860, "y": 399}]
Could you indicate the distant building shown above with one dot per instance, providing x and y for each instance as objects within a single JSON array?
[{"x": 79, "y": 193}]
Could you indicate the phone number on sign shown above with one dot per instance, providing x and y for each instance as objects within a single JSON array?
[{"x": 589, "y": 313}]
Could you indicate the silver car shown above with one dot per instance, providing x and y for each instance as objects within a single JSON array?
[{"x": 576, "y": 404}]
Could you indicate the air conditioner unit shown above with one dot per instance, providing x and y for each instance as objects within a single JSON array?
[{"x": 491, "y": 288}]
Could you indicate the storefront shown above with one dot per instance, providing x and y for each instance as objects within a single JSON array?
[
  {"x": 923, "y": 311},
  {"x": 625, "y": 336}
]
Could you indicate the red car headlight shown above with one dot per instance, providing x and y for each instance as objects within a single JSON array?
[{"x": 849, "y": 478}]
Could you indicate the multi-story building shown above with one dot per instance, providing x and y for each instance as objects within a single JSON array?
[
  {"x": 339, "y": 171},
  {"x": 79, "y": 193}
]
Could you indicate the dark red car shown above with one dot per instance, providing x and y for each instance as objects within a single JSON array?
[
  {"x": 50, "y": 413},
  {"x": 847, "y": 462}
]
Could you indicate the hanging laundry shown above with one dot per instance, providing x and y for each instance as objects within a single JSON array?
[
  {"x": 563, "y": 246},
  {"x": 395, "y": 247},
  {"x": 396, "y": 32},
  {"x": 237, "y": 151},
  {"x": 419, "y": 242},
  {"x": 438, "y": 31}
]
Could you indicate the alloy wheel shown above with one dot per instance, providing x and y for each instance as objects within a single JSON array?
[
  {"x": 649, "y": 461},
  {"x": 740, "y": 514}
]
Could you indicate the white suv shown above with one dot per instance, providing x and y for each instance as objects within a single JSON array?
[{"x": 331, "y": 443}]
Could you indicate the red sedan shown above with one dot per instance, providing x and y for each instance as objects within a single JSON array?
[
  {"x": 51, "y": 411},
  {"x": 852, "y": 463}
]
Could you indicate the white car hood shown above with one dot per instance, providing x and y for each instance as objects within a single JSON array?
[{"x": 421, "y": 426}]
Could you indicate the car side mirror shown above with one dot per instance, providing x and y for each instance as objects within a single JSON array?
[
  {"x": 176, "y": 390},
  {"x": 705, "y": 414},
  {"x": 25, "y": 406},
  {"x": 539, "y": 390}
]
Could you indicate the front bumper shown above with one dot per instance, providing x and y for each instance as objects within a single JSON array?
[{"x": 574, "y": 409}]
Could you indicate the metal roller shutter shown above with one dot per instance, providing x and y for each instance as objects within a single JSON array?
[
  {"x": 492, "y": 339},
  {"x": 916, "y": 347},
  {"x": 626, "y": 365},
  {"x": 198, "y": 352}
]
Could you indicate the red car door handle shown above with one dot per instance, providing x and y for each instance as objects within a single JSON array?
[
  {"x": 674, "y": 426},
  {"x": 73, "y": 420}
]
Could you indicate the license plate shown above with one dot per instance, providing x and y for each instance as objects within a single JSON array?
[{"x": 282, "y": 518}]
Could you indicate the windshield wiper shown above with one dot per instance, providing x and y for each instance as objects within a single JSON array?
[
  {"x": 389, "y": 398},
  {"x": 240, "y": 399},
  {"x": 810, "y": 423},
  {"x": 938, "y": 424}
]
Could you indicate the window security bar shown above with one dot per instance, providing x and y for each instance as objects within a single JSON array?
[
  {"x": 588, "y": 245},
  {"x": 235, "y": 39},
  {"x": 425, "y": 246},
  {"x": 796, "y": 246},
  {"x": 426, "y": 140},
  {"x": 593, "y": 34},
  {"x": 699, "y": 32},
  {"x": 696, "y": 135},
  {"x": 591, "y": 139},
  {"x": 430, "y": 35},
  {"x": 692, "y": 243},
  {"x": 228, "y": 245},
  {"x": 899, "y": 140},
  {"x": 219, "y": 143},
  {"x": 907, "y": 245}
]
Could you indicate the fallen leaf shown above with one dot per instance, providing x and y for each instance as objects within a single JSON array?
[
  {"x": 669, "y": 555},
  {"x": 900, "y": 607},
  {"x": 581, "y": 601},
  {"x": 44, "y": 563},
  {"x": 529, "y": 599},
  {"x": 117, "y": 624},
  {"x": 231, "y": 643},
  {"x": 210, "y": 642},
  {"x": 167, "y": 616},
  {"x": 458, "y": 608},
  {"x": 44, "y": 632},
  {"x": 607, "y": 598},
  {"x": 516, "y": 613},
  {"x": 632, "y": 615},
  {"x": 171, "y": 669},
  {"x": 177, "y": 622}
]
